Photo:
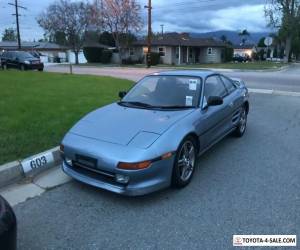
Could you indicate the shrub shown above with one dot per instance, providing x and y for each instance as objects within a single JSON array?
[
  {"x": 97, "y": 55},
  {"x": 130, "y": 61},
  {"x": 92, "y": 54},
  {"x": 228, "y": 54},
  {"x": 106, "y": 56},
  {"x": 155, "y": 58}
]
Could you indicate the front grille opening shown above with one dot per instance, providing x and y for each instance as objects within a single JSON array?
[{"x": 94, "y": 173}]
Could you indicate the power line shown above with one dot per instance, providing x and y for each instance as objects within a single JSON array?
[
  {"x": 149, "y": 7},
  {"x": 162, "y": 29},
  {"x": 17, "y": 6}
]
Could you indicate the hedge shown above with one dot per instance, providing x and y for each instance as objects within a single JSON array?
[{"x": 97, "y": 55}]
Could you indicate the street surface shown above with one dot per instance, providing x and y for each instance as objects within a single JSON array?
[
  {"x": 242, "y": 186},
  {"x": 284, "y": 80}
]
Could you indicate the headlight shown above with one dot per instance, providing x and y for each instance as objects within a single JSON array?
[{"x": 27, "y": 62}]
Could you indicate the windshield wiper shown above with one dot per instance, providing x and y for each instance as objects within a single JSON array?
[
  {"x": 137, "y": 104},
  {"x": 176, "y": 107}
]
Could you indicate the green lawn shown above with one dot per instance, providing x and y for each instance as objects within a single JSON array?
[{"x": 36, "y": 109}]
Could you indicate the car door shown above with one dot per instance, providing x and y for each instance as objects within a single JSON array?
[
  {"x": 14, "y": 60},
  {"x": 213, "y": 118},
  {"x": 234, "y": 101},
  {"x": 10, "y": 59},
  {"x": 6, "y": 58}
]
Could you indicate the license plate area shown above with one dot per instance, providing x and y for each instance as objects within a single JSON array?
[{"x": 86, "y": 161}]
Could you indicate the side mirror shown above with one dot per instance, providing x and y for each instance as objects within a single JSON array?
[
  {"x": 122, "y": 94},
  {"x": 214, "y": 101}
]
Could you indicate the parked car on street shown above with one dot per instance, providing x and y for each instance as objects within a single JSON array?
[
  {"x": 8, "y": 226},
  {"x": 152, "y": 137},
  {"x": 20, "y": 60},
  {"x": 239, "y": 58}
]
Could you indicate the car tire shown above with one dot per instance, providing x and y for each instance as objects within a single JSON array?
[
  {"x": 41, "y": 70},
  {"x": 22, "y": 67},
  {"x": 242, "y": 125},
  {"x": 185, "y": 162}
]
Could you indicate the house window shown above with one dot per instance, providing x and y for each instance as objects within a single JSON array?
[
  {"x": 209, "y": 51},
  {"x": 131, "y": 51},
  {"x": 161, "y": 51}
]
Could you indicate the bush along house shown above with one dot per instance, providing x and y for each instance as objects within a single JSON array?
[{"x": 177, "y": 49}]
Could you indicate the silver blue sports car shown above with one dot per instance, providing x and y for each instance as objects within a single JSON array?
[{"x": 152, "y": 137}]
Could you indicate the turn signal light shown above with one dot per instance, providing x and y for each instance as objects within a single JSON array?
[{"x": 134, "y": 166}]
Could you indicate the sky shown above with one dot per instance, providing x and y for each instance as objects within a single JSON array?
[{"x": 182, "y": 16}]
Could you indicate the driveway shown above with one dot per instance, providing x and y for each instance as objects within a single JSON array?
[
  {"x": 284, "y": 80},
  {"x": 242, "y": 186}
]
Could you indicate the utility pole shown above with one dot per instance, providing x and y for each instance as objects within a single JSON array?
[
  {"x": 17, "y": 20},
  {"x": 149, "y": 7},
  {"x": 162, "y": 29}
]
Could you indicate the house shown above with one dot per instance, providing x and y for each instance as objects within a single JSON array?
[
  {"x": 176, "y": 49},
  {"x": 244, "y": 50}
]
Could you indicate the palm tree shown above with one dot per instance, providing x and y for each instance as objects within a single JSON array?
[
  {"x": 244, "y": 34},
  {"x": 223, "y": 38}
]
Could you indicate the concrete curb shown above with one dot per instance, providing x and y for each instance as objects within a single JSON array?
[
  {"x": 10, "y": 173},
  {"x": 274, "y": 92},
  {"x": 13, "y": 172}
]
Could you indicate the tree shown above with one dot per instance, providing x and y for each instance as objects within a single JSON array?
[
  {"x": 244, "y": 34},
  {"x": 223, "y": 38},
  {"x": 106, "y": 38},
  {"x": 285, "y": 15},
  {"x": 9, "y": 34},
  {"x": 261, "y": 42},
  {"x": 121, "y": 17},
  {"x": 67, "y": 22}
]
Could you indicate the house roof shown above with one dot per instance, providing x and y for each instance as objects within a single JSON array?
[
  {"x": 31, "y": 45},
  {"x": 183, "y": 39}
]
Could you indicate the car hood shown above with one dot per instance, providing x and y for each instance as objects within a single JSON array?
[{"x": 127, "y": 126}]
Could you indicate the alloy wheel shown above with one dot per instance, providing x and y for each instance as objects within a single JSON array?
[
  {"x": 243, "y": 121},
  {"x": 186, "y": 160}
]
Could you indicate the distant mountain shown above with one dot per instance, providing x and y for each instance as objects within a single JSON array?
[{"x": 232, "y": 36}]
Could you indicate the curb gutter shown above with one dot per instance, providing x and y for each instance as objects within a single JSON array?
[{"x": 30, "y": 167}]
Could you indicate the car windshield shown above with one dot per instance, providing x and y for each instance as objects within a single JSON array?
[
  {"x": 24, "y": 55},
  {"x": 163, "y": 91}
]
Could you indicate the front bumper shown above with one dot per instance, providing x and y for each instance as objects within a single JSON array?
[
  {"x": 156, "y": 177},
  {"x": 39, "y": 66}
]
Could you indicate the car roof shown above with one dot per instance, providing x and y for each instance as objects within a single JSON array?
[{"x": 195, "y": 72}]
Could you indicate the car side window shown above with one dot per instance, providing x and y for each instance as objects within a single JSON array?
[
  {"x": 228, "y": 84},
  {"x": 214, "y": 87},
  {"x": 6, "y": 55}
]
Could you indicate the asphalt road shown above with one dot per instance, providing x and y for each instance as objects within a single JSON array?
[
  {"x": 242, "y": 186},
  {"x": 285, "y": 80}
]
